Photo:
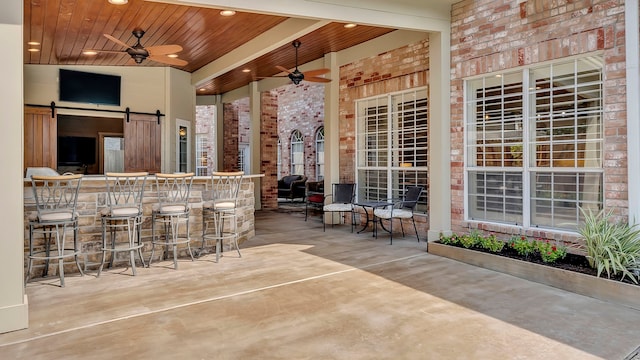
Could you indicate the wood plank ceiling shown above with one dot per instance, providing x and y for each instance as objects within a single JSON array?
[{"x": 62, "y": 29}]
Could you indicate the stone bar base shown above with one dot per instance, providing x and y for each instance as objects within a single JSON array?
[{"x": 92, "y": 200}]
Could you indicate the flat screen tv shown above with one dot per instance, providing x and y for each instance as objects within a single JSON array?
[
  {"x": 91, "y": 88},
  {"x": 76, "y": 150}
]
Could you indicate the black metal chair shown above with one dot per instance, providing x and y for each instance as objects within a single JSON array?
[
  {"x": 341, "y": 201},
  {"x": 402, "y": 209},
  {"x": 314, "y": 197}
]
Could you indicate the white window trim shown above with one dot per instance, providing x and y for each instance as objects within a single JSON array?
[
  {"x": 186, "y": 124},
  {"x": 526, "y": 189},
  {"x": 389, "y": 169}
]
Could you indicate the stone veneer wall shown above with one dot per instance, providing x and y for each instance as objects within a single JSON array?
[
  {"x": 92, "y": 200},
  {"x": 401, "y": 69},
  {"x": 500, "y": 35}
]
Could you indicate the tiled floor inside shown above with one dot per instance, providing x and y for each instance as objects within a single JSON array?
[{"x": 301, "y": 293}]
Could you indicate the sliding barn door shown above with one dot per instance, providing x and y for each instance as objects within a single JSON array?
[
  {"x": 142, "y": 144},
  {"x": 40, "y": 138}
]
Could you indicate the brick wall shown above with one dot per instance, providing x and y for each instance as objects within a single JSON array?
[
  {"x": 300, "y": 107},
  {"x": 499, "y": 35},
  {"x": 205, "y": 125},
  {"x": 400, "y": 69},
  {"x": 230, "y": 138},
  {"x": 269, "y": 149}
]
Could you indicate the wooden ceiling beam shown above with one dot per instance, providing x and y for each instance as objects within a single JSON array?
[{"x": 281, "y": 34}]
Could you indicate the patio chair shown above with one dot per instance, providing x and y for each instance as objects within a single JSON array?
[
  {"x": 314, "y": 197},
  {"x": 402, "y": 209},
  {"x": 341, "y": 201}
]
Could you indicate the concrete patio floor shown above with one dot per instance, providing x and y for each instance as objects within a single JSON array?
[{"x": 301, "y": 293}]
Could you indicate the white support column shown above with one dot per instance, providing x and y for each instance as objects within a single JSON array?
[
  {"x": 632, "y": 45},
  {"x": 255, "y": 111},
  {"x": 439, "y": 196},
  {"x": 331, "y": 124},
  {"x": 14, "y": 309}
]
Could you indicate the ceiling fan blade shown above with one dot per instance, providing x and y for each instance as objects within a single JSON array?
[
  {"x": 316, "y": 72},
  {"x": 317, "y": 79},
  {"x": 116, "y": 41},
  {"x": 106, "y": 51},
  {"x": 283, "y": 69},
  {"x": 167, "y": 60},
  {"x": 164, "y": 49}
]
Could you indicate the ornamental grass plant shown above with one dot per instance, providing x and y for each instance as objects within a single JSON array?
[{"x": 612, "y": 247}]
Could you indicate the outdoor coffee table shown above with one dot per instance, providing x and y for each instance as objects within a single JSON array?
[{"x": 366, "y": 205}]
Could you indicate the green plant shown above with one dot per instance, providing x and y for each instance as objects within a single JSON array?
[
  {"x": 470, "y": 240},
  {"x": 612, "y": 247},
  {"x": 522, "y": 245},
  {"x": 449, "y": 240},
  {"x": 550, "y": 252},
  {"x": 491, "y": 243}
]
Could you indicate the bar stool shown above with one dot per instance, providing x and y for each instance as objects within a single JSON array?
[
  {"x": 171, "y": 210},
  {"x": 222, "y": 208},
  {"x": 56, "y": 200},
  {"x": 124, "y": 211}
]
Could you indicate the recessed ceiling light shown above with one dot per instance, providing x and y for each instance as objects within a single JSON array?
[
  {"x": 227, "y": 12},
  {"x": 350, "y": 26},
  {"x": 118, "y": 2},
  {"x": 34, "y": 43},
  {"x": 33, "y": 50},
  {"x": 246, "y": 70},
  {"x": 90, "y": 52},
  {"x": 172, "y": 55}
]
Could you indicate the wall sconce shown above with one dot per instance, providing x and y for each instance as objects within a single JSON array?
[{"x": 183, "y": 131}]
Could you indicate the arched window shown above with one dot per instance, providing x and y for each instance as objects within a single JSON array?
[
  {"x": 297, "y": 153},
  {"x": 320, "y": 153}
]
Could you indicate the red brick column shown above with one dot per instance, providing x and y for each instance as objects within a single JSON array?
[
  {"x": 230, "y": 142},
  {"x": 269, "y": 149}
]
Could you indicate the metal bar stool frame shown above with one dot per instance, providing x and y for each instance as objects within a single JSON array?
[
  {"x": 171, "y": 210},
  {"x": 223, "y": 207},
  {"x": 56, "y": 202},
  {"x": 125, "y": 192}
]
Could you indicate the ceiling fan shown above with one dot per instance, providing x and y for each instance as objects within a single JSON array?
[
  {"x": 296, "y": 75},
  {"x": 139, "y": 53}
]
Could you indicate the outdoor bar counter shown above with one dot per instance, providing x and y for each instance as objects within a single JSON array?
[{"x": 92, "y": 199}]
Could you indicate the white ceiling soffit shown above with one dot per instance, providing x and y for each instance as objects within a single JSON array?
[{"x": 423, "y": 15}]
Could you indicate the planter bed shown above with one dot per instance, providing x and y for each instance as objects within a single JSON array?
[{"x": 579, "y": 283}]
